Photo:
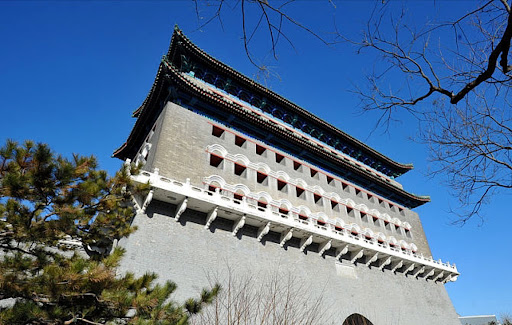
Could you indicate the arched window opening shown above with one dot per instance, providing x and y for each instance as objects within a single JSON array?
[
  {"x": 282, "y": 185},
  {"x": 357, "y": 319},
  {"x": 297, "y": 166},
  {"x": 216, "y": 161},
  {"x": 239, "y": 141},
  {"x": 217, "y": 131},
  {"x": 368, "y": 235},
  {"x": 318, "y": 198},
  {"x": 279, "y": 158},
  {"x": 284, "y": 210},
  {"x": 262, "y": 178},
  {"x": 238, "y": 196},
  {"x": 261, "y": 150},
  {"x": 303, "y": 216},
  {"x": 335, "y": 205},
  {"x": 301, "y": 193},
  {"x": 213, "y": 186},
  {"x": 354, "y": 229},
  {"x": 262, "y": 204},
  {"x": 240, "y": 169}
]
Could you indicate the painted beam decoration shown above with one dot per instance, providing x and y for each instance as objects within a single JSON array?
[{"x": 193, "y": 79}]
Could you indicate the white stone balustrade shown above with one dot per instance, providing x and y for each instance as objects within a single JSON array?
[{"x": 336, "y": 237}]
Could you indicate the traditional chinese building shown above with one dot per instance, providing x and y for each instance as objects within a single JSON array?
[{"x": 241, "y": 176}]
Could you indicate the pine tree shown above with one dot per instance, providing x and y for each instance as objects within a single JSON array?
[{"x": 47, "y": 201}]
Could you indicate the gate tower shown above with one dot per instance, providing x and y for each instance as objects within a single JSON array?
[{"x": 241, "y": 176}]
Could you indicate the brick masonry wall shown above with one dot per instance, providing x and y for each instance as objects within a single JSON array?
[
  {"x": 187, "y": 254},
  {"x": 179, "y": 151}
]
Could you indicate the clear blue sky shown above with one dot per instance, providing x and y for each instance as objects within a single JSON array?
[{"x": 71, "y": 73}]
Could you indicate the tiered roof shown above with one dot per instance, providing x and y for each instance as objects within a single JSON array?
[{"x": 177, "y": 79}]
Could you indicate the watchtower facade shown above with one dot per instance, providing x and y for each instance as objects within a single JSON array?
[{"x": 243, "y": 178}]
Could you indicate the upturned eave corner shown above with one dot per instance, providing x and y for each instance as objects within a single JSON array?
[
  {"x": 180, "y": 44},
  {"x": 168, "y": 73}
]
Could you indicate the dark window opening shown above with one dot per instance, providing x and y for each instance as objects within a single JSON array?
[
  {"x": 260, "y": 150},
  {"x": 317, "y": 198},
  {"x": 300, "y": 191},
  {"x": 283, "y": 211},
  {"x": 320, "y": 222},
  {"x": 281, "y": 185},
  {"x": 313, "y": 172},
  {"x": 358, "y": 191},
  {"x": 279, "y": 158},
  {"x": 262, "y": 204},
  {"x": 239, "y": 141},
  {"x": 369, "y": 196},
  {"x": 387, "y": 225},
  {"x": 344, "y": 186},
  {"x": 296, "y": 165},
  {"x": 212, "y": 188},
  {"x": 380, "y": 201},
  {"x": 391, "y": 206},
  {"x": 215, "y": 161},
  {"x": 239, "y": 169},
  {"x": 260, "y": 177},
  {"x": 338, "y": 228},
  {"x": 364, "y": 217},
  {"x": 334, "y": 204},
  {"x": 397, "y": 227},
  {"x": 349, "y": 211},
  {"x": 238, "y": 196},
  {"x": 408, "y": 233},
  {"x": 330, "y": 180},
  {"x": 375, "y": 220},
  {"x": 216, "y": 131}
]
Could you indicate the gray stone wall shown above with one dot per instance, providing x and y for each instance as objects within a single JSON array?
[
  {"x": 179, "y": 152},
  {"x": 188, "y": 254}
]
